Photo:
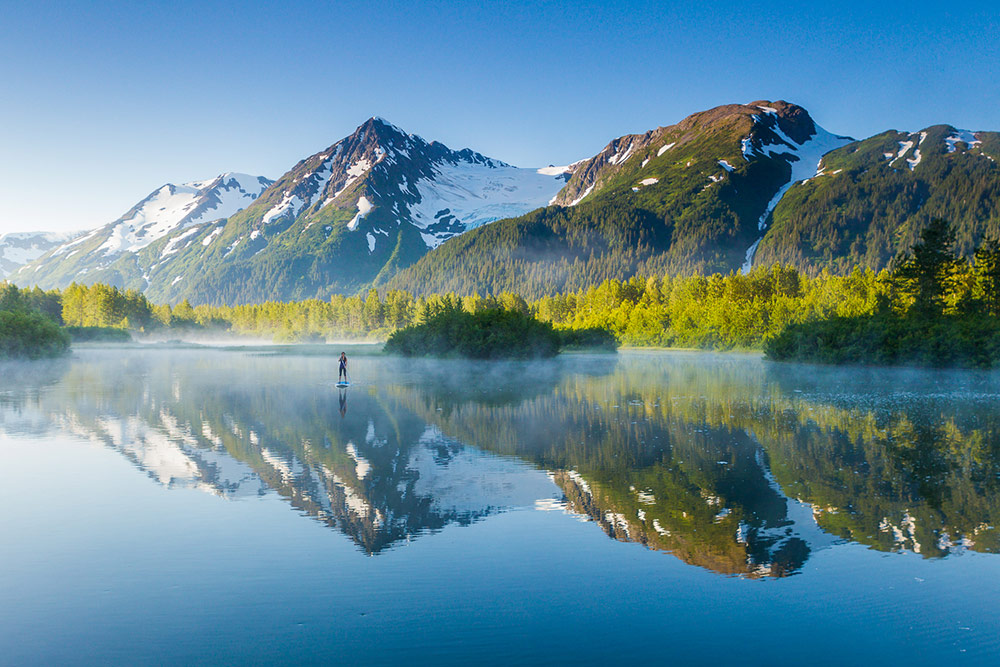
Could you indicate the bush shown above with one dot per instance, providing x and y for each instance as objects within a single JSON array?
[
  {"x": 889, "y": 339},
  {"x": 26, "y": 334},
  {"x": 593, "y": 338},
  {"x": 488, "y": 334},
  {"x": 98, "y": 334}
]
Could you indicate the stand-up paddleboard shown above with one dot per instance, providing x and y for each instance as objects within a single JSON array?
[{"x": 343, "y": 384}]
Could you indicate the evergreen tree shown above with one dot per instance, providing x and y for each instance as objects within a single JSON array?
[
  {"x": 925, "y": 277},
  {"x": 987, "y": 275}
]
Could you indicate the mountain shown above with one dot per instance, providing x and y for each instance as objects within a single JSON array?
[
  {"x": 722, "y": 190},
  {"x": 369, "y": 204},
  {"x": 19, "y": 248},
  {"x": 728, "y": 189},
  {"x": 873, "y": 197},
  {"x": 164, "y": 219},
  {"x": 351, "y": 214},
  {"x": 692, "y": 197}
]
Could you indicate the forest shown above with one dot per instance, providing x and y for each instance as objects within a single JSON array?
[
  {"x": 941, "y": 310},
  {"x": 929, "y": 299},
  {"x": 732, "y": 311}
]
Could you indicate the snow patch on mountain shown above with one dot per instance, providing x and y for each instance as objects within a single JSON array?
[
  {"x": 19, "y": 248},
  {"x": 174, "y": 207},
  {"x": 904, "y": 148},
  {"x": 586, "y": 192},
  {"x": 665, "y": 148},
  {"x": 619, "y": 158},
  {"x": 288, "y": 207},
  {"x": 963, "y": 136},
  {"x": 915, "y": 160},
  {"x": 211, "y": 237},
  {"x": 804, "y": 160},
  {"x": 364, "y": 207},
  {"x": 175, "y": 243},
  {"x": 464, "y": 195}
]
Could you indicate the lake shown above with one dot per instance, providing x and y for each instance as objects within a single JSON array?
[{"x": 200, "y": 505}]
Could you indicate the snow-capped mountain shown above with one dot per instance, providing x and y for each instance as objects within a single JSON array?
[
  {"x": 804, "y": 153},
  {"x": 438, "y": 191},
  {"x": 169, "y": 210},
  {"x": 176, "y": 207},
  {"x": 370, "y": 203},
  {"x": 691, "y": 197},
  {"x": 721, "y": 190},
  {"x": 731, "y": 188},
  {"x": 19, "y": 248}
]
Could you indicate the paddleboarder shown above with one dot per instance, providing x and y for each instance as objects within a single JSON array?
[{"x": 343, "y": 369}]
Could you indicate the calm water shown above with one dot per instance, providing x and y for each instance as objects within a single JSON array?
[{"x": 234, "y": 506}]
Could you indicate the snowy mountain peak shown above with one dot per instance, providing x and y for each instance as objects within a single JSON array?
[
  {"x": 167, "y": 210},
  {"x": 781, "y": 128},
  {"x": 174, "y": 207},
  {"x": 788, "y": 133},
  {"x": 407, "y": 181}
]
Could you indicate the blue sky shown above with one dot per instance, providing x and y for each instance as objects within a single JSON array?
[{"x": 104, "y": 102}]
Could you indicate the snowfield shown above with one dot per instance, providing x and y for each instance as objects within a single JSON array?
[
  {"x": 174, "y": 207},
  {"x": 466, "y": 195},
  {"x": 805, "y": 161},
  {"x": 19, "y": 248},
  {"x": 964, "y": 136}
]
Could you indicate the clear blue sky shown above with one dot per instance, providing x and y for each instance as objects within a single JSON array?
[{"x": 102, "y": 102}]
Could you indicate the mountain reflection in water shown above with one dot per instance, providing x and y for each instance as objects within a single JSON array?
[{"x": 727, "y": 462}]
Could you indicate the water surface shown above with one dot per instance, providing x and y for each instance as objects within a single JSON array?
[{"x": 208, "y": 505}]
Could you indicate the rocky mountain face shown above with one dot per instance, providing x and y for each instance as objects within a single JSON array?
[
  {"x": 872, "y": 198},
  {"x": 726, "y": 190},
  {"x": 692, "y": 197},
  {"x": 353, "y": 214}
]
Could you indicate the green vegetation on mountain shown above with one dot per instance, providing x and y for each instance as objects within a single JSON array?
[
  {"x": 680, "y": 200},
  {"x": 685, "y": 199},
  {"x": 941, "y": 311},
  {"x": 875, "y": 196}
]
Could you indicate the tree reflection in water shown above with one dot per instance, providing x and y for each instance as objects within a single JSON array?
[{"x": 727, "y": 462}]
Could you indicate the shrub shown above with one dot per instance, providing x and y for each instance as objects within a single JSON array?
[
  {"x": 488, "y": 334},
  {"x": 887, "y": 339},
  {"x": 592, "y": 338},
  {"x": 26, "y": 334},
  {"x": 98, "y": 334}
]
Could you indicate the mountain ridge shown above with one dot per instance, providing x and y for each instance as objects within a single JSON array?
[{"x": 721, "y": 190}]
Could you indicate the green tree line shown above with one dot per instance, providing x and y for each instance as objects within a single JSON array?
[
  {"x": 771, "y": 307},
  {"x": 940, "y": 310}
]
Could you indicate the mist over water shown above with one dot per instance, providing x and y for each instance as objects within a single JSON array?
[{"x": 459, "y": 507}]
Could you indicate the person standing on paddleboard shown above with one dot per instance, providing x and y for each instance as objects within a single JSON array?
[{"x": 343, "y": 368}]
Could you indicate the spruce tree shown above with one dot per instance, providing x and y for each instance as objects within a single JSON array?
[
  {"x": 987, "y": 275},
  {"x": 925, "y": 276}
]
